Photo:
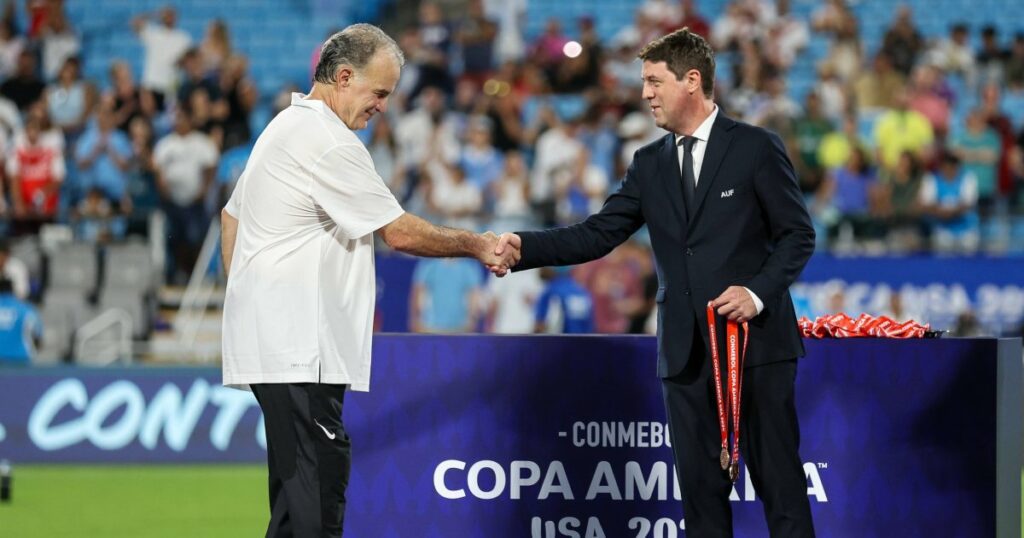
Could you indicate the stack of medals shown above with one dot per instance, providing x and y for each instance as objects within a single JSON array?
[{"x": 735, "y": 380}]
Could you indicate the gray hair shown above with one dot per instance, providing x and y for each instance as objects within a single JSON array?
[{"x": 355, "y": 46}]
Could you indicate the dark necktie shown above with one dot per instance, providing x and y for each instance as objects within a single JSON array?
[{"x": 689, "y": 178}]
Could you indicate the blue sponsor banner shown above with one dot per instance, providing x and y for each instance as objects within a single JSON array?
[
  {"x": 483, "y": 436},
  {"x": 928, "y": 289}
]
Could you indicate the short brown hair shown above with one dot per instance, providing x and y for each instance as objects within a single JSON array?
[{"x": 682, "y": 51}]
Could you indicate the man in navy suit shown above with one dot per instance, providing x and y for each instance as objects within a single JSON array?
[{"x": 728, "y": 225}]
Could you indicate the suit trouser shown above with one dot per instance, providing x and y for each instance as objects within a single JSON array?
[
  {"x": 769, "y": 444},
  {"x": 309, "y": 458}
]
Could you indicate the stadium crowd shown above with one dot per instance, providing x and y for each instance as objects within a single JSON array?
[{"x": 901, "y": 145}]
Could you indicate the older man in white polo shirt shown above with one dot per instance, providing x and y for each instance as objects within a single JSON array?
[{"x": 298, "y": 245}]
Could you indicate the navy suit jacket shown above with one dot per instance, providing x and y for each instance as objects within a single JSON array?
[{"x": 749, "y": 227}]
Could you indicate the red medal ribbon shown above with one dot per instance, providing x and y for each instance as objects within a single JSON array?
[
  {"x": 842, "y": 326},
  {"x": 735, "y": 360}
]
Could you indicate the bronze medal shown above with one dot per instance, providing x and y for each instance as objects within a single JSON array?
[
  {"x": 734, "y": 472},
  {"x": 723, "y": 459}
]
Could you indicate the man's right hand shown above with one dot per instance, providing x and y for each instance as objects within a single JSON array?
[
  {"x": 497, "y": 262},
  {"x": 508, "y": 248}
]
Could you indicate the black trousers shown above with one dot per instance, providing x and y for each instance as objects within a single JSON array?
[
  {"x": 769, "y": 445},
  {"x": 309, "y": 457}
]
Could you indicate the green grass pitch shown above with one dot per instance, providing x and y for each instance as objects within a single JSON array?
[{"x": 136, "y": 501}]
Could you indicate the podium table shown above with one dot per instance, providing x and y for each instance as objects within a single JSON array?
[{"x": 551, "y": 436}]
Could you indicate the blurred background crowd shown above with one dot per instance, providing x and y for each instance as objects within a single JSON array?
[{"x": 125, "y": 124}]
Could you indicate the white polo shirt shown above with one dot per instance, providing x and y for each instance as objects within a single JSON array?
[{"x": 300, "y": 294}]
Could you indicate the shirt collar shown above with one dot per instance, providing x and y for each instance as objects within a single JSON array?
[
  {"x": 703, "y": 132},
  {"x": 301, "y": 99}
]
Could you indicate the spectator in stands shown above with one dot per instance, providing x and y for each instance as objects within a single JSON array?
[
  {"x": 503, "y": 111},
  {"x": 20, "y": 327},
  {"x": 949, "y": 197},
  {"x": 94, "y": 219},
  {"x": 954, "y": 54},
  {"x": 11, "y": 46},
  {"x": 899, "y": 207},
  {"x": 104, "y": 157},
  {"x": 10, "y": 124},
  {"x": 879, "y": 87},
  {"x": 555, "y": 148},
  {"x": 978, "y": 147},
  {"x": 126, "y": 96},
  {"x": 215, "y": 48},
  {"x": 59, "y": 42},
  {"x": 597, "y": 134},
  {"x": 992, "y": 57},
  {"x": 164, "y": 44},
  {"x": 576, "y": 73},
  {"x": 690, "y": 18},
  {"x": 383, "y": 150},
  {"x": 902, "y": 129},
  {"x": 991, "y": 105},
  {"x": 548, "y": 51},
  {"x": 661, "y": 11},
  {"x": 786, "y": 36},
  {"x": 903, "y": 43},
  {"x": 203, "y": 113},
  {"x": 142, "y": 177},
  {"x": 836, "y": 19},
  {"x": 511, "y": 194},
  {"x": 732, "y": 29},
  {"x": 776, "y": 111},
  {"x": 240, "y": 95},
  {"x": 195, "y": 77},
  {"x": 455, "y": 201},
  {"x": 836, "y": 146},
  {"x": 511, "y": 301},
  {"x": 185, "y": 162},
  {"x": 476, "y": 34},
  {"x": 833, "y": 94},
  {"x": 1016, "y": 166},
  {"x": 751, "y": 73},
  {"x": 50, "y": 135},
  {"x": 510, "y": 16},
  {"x": 612, "y": 281},
  {"x": 445, "y": 296},
  {"x": 70, "y": 101},
  {"x": 928, "y": 96},
  {"x": 1015, "y": 64},
  {"x": 563, "y": 307},
  {"x": 809, "y": 129},
  {"x": 431, "y": 50},
  {"x": 580, "y": 188},
  {"x": 428, "y": 121},
  {"x": 24, "y": 87},
  {"x": 481, "y": 161},
  {"x": 849, "y": 189},
  {"x": 35, "y": 171},
  {"x": 14, "y": 271}
]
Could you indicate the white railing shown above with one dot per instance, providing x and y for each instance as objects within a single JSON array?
[
  {"x": 97, "y": 343},
  {"x": 198, "y": 293}
]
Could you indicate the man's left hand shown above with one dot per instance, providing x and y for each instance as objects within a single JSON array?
[{"x": 735, "y": 304}]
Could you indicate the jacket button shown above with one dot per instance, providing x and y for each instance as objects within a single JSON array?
[
  {"x": 686, "y": 292},
  {"x": 689, "y": 252}
]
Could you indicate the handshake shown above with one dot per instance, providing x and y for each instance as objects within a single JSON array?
[{"x": 499, "y": 253}]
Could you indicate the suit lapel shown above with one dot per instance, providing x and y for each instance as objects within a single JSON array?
[
  {"x": 671, "y": 176},
  {"x": 718, "y": 146}
]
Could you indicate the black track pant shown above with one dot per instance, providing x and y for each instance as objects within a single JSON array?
[{"x": 309, "y": 456}]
